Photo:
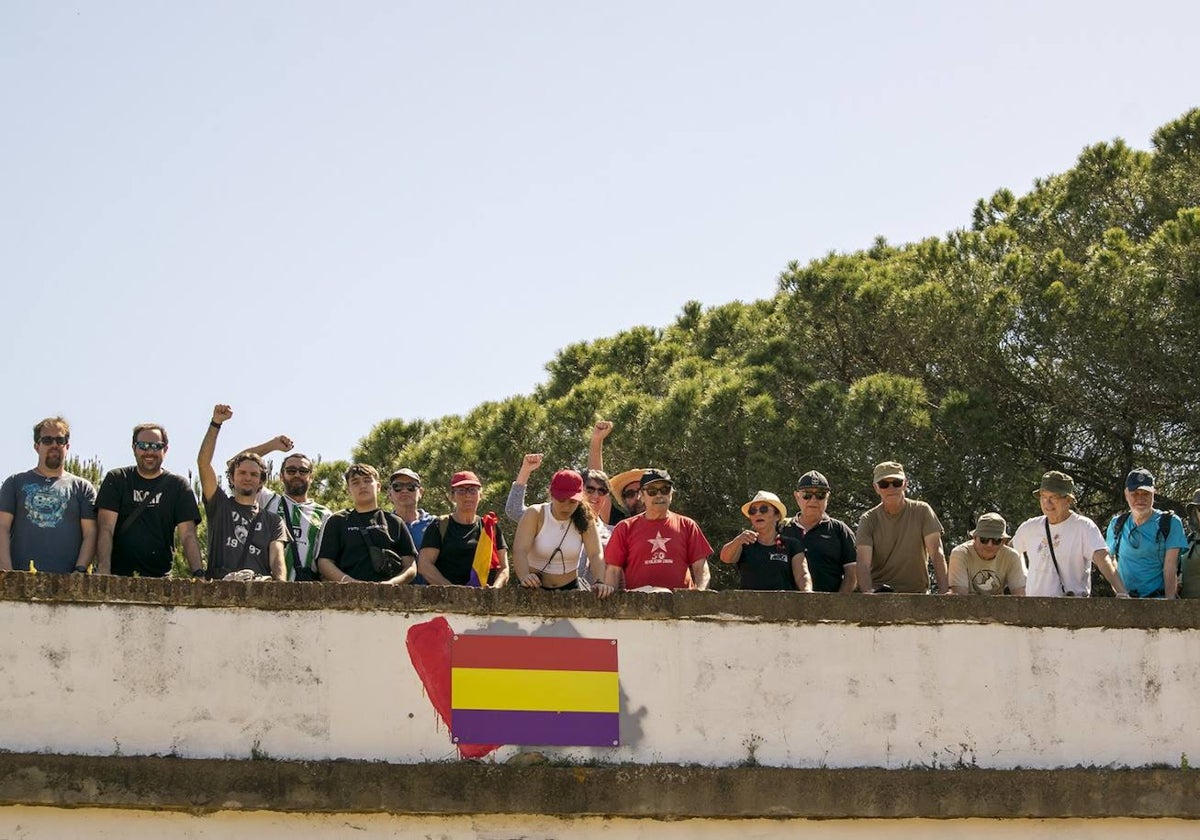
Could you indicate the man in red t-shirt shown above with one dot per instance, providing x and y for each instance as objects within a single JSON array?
[{"x": 657, "y": 548}]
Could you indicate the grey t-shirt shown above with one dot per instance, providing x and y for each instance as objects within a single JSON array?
[
  {"x": 240, "y": 536},
  {"x": 47, "y": 513}
]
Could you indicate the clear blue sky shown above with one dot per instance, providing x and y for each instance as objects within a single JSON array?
[{"x": 331, "y": 214}]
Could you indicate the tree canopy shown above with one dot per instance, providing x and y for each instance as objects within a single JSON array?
[{"x": 1056, "y": 332}]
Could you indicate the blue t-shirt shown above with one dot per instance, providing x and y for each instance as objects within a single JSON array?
[
  {"x": 1140, "y": 560},
  {"x": 47, "y": 514}
]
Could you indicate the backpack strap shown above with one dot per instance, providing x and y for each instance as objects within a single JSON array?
[{"x": 1119, "y": 530}]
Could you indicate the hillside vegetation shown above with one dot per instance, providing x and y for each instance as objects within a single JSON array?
[{"x": 1058, "y": 331}]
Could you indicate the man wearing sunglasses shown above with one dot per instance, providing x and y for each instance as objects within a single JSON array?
[
  {"x": 828, "y": 543},
  {"x": 302, "y": 517},
  {"x": 405, "y": 490},
  {"x": 48, "y": 515},
  {"x": 660, "y": 547},
  {"x": 898, "y": 538},
  {"x": 141, "y": 509},
  {"x": 985, "y": 565}
]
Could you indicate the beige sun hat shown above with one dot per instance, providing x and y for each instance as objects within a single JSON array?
[{"x": 768, "y": 497}]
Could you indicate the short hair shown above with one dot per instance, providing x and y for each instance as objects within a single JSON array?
[
  {"x": 149, "y": 427},
  {"x": 292, "y": 455},
  {"x": 362, "y": 469},
  {"x": 241, "y": 458},
  {"x": 51, "y": 421},
  {"x": 599, "y": 475}
]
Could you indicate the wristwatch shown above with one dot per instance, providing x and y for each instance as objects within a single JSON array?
[{"x": 197, "y": 573}]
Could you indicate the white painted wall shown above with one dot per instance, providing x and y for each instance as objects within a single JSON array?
[
  {"x": 103, "y": 679},
  {"x": 109, "y": 824}
]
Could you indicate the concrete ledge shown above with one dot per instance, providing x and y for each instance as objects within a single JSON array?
[
  {"x": 650, "y": 791},
  {"x": 727, "y": 606}
]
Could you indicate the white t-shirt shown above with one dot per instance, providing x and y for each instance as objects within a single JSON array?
[{"x": 1076, "y": 539}]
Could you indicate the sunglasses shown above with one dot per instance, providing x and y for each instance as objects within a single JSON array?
[
  {"x": 150, "y": 446},
  {"x": 398, "y": 486},
  {"x": 755, "y": 510},
  {"x": 592, "y": 491},
  {"x": 61, "y": 440},
  {"x": 296, "y": 471},
  {"x": 630, "y": 493},
  {"x": 657, "y": 491},
  {"x": 814, "y": 494},
  {"x": 890, "y": 482},
  {"x": 992, "y": 540}
]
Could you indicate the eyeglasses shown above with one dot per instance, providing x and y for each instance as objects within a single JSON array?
[
  {"x": 755, "y": 510},
  {"x": 150, "y": 445},
  {"x": 61, "y": 440},
  {"x": 296, "y": 471},
  {"x": 398, "y": 486},
  {"x": 992, "y": 540},
  {"x": 466, "y": 491},
  {"x": 890, "y": 482},
  {"x": 813, "y": 494},
  {"x": 657, "y": 491},
  {"x": 593, "y": 491}
]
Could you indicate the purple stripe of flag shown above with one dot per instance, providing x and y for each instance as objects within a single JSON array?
[{"x": 562, "y": 729}]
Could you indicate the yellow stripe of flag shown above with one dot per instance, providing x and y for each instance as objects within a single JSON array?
[{"x": 511, "y": 689}]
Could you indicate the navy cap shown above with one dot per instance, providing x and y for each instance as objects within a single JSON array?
[
  {"x": 812, "y": 478},
  {"x": 652, "y": 475},
  {"x": 1139, "y": 479}
]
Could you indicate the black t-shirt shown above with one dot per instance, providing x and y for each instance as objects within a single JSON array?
[
  {"x": 145, "y": 547},
  {"x": 769, "y": 566},
  {"x": 615, "y": 515},
  {"x": 346, "y": 534},
  {"x": 456, "y": 554},
  {"x": 829, "y": 546}
]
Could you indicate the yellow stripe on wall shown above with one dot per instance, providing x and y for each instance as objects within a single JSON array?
[{"x": 509, "y": 689}]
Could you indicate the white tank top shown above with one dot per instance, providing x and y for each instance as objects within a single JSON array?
[{"x": 563, "y": 536}]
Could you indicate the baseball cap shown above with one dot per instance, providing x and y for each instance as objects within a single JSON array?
[
  {"x": 566, "y": 484},
  {"x": 465, "y": 478}
]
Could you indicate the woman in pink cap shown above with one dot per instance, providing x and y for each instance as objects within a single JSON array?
[{"x": 551, "y": 536}]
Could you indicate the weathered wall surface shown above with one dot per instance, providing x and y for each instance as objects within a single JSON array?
[{"x": 108, "y": 667}]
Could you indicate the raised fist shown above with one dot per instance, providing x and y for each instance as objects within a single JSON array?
[
  {"x": 221, "y": 413},
  {"x": 601, "y": 429}
]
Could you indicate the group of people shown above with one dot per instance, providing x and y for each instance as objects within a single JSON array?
[{"x": 595, "y": 532}]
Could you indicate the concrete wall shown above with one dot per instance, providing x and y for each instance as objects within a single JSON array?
[
  {"x": 56, "y": 824},
  {"x": 112, "y": 667}
]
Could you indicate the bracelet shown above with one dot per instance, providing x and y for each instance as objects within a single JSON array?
[
  {"x": 214, "y": 424},
  {"x": 81, "y": 570},
  {"x": 344, "y": 578}
]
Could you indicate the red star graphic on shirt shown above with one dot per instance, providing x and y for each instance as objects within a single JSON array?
[{"x": 659, "y": 543}]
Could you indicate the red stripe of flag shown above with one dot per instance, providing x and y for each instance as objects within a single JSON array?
[{"x": 534, "y": 652}]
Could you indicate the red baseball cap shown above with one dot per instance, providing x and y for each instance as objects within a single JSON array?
[
  {"x": 466, "y": 478},
  {"x": 566, "y": 484}
]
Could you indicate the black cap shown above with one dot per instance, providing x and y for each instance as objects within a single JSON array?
[
  {"x": 812, "y": 478},
  {"x": 651, "y": 475}
]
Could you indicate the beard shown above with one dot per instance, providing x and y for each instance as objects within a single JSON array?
[
  {"x": 54, "y": 460},
  {"x": 297, "y": 486}
]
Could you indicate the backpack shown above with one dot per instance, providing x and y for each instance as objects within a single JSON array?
[{"x": 1164, "y": 529}]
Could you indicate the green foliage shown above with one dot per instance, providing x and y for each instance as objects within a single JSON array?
[{"x": 1057, "y": 332}]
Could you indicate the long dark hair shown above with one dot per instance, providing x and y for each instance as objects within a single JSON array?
[{"x": 582, "y": 517}]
